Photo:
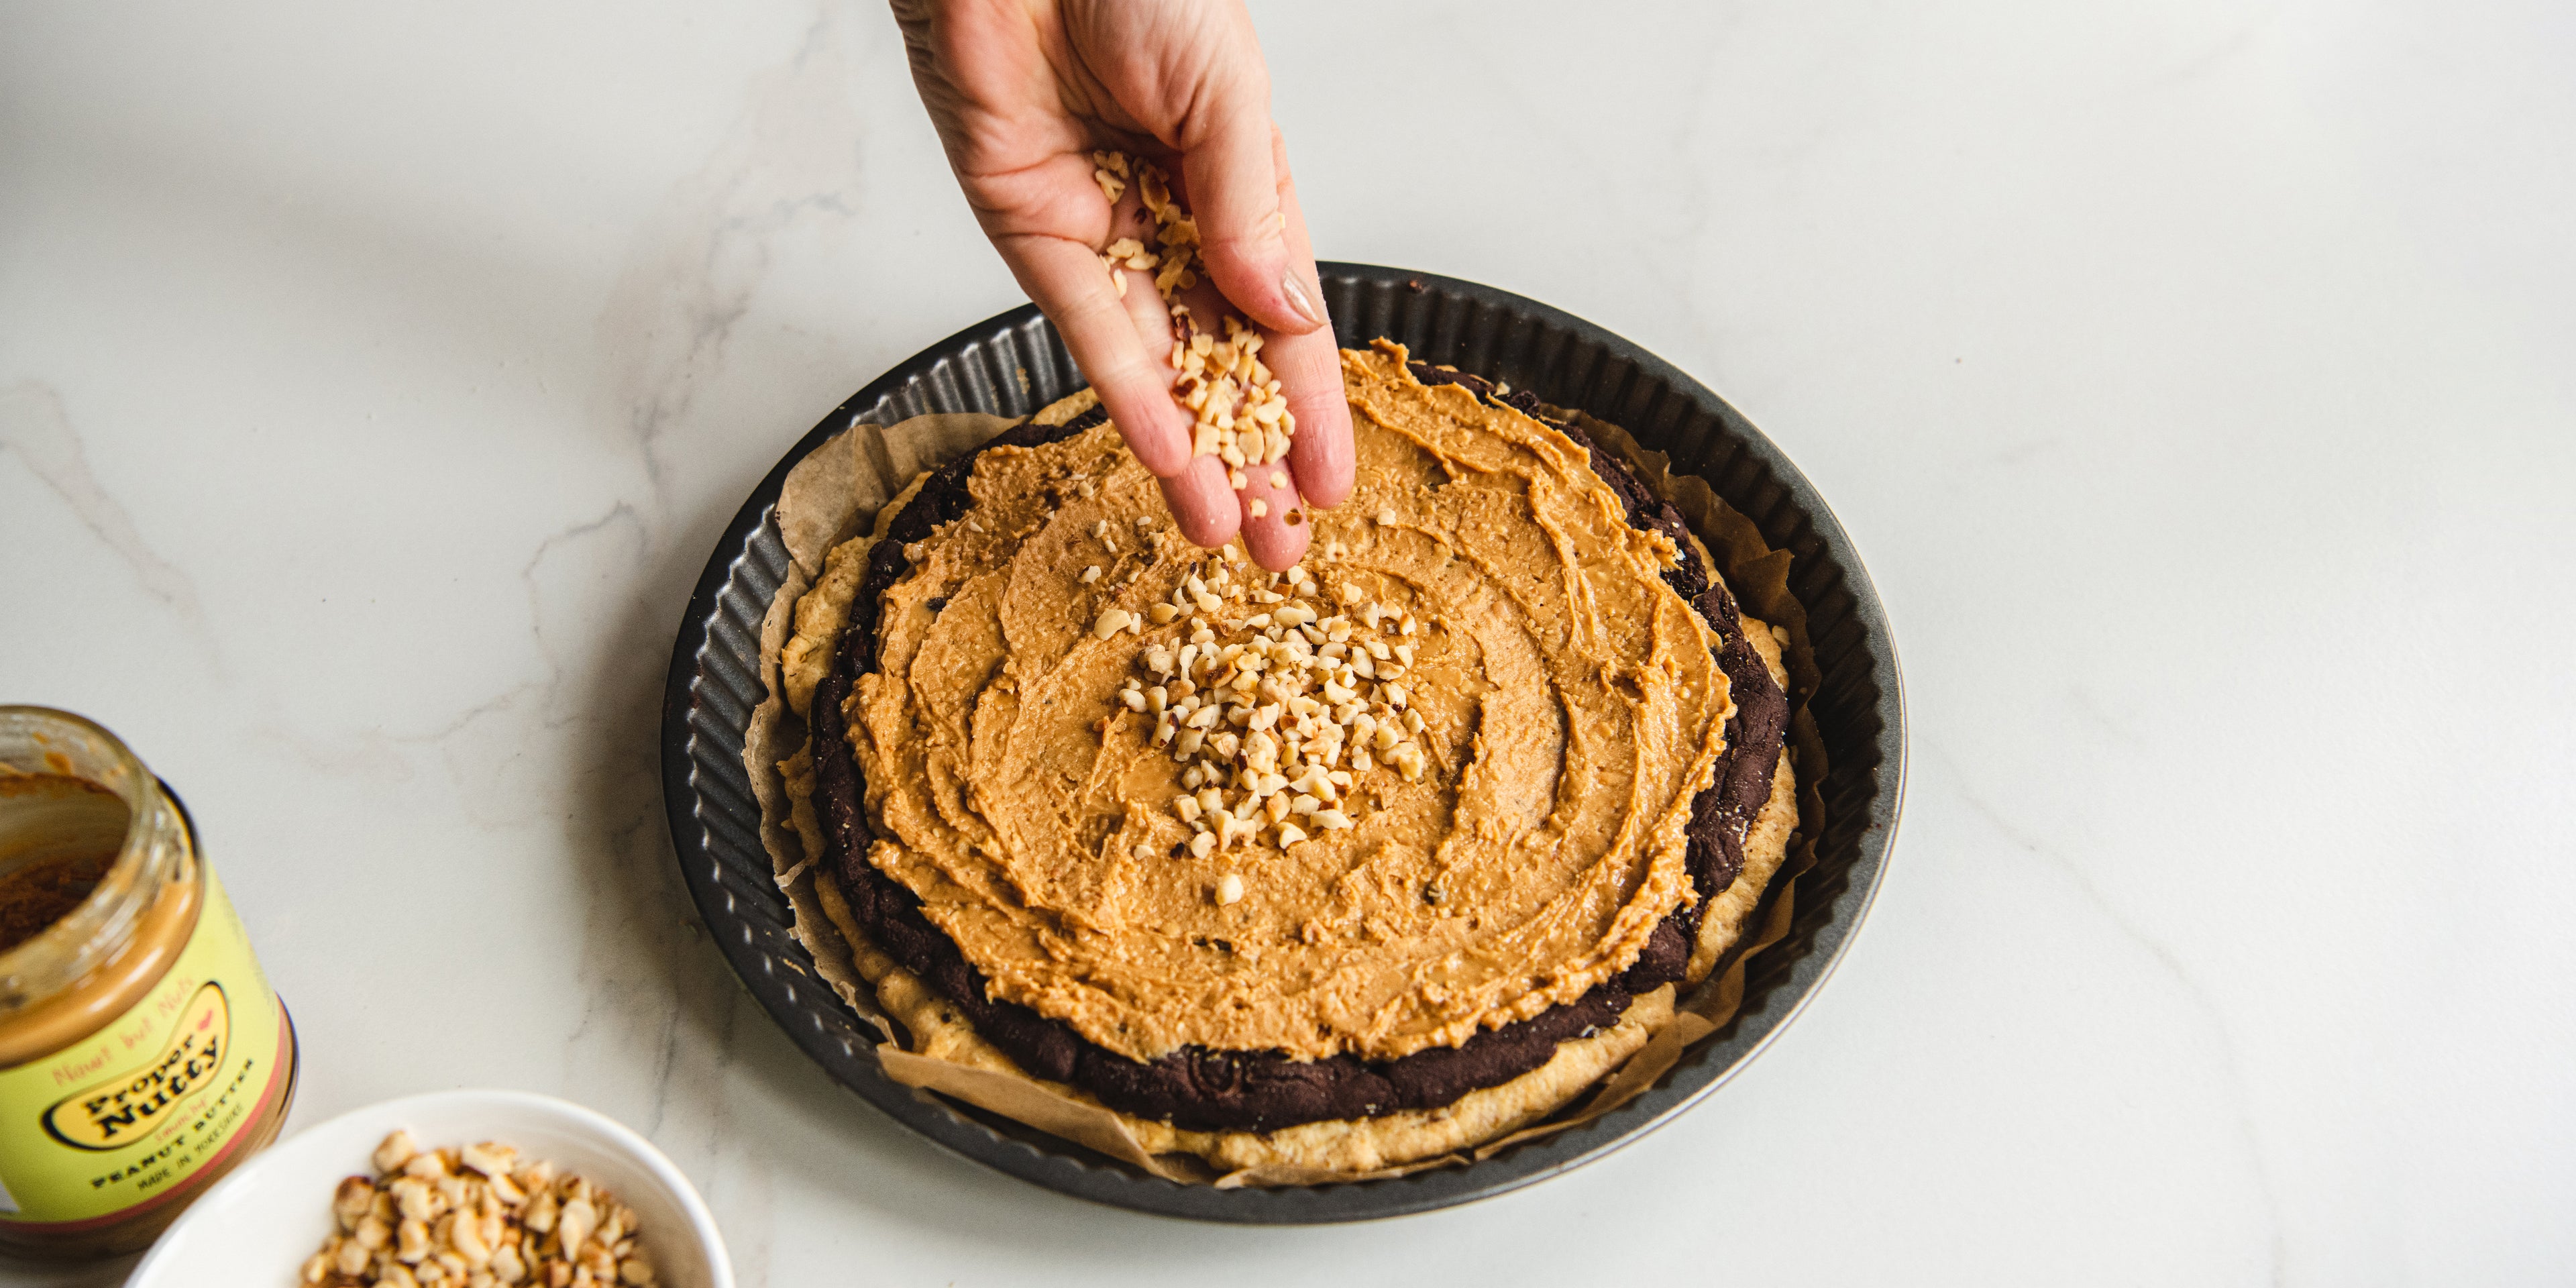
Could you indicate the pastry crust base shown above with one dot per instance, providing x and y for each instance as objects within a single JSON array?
[{"x": 1346, "y": 1145}]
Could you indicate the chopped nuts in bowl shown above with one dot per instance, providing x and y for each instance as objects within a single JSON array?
[
  {"x": 483, "y": 1216},
  {"x": 461, "y": 1188}
]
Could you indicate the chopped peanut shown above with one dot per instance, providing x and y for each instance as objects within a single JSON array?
[
  {"x": 475, "y": 1216},
  {"x": 1240, "y": 415}
]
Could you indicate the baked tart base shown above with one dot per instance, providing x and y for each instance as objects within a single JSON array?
[{"x": 1739, "y": 827}]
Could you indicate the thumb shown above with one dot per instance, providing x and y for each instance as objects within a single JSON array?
[{"x": 1233, "y": 172}]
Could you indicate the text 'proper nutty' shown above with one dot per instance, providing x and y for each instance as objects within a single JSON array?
[{"x": 477, "y": 1217}]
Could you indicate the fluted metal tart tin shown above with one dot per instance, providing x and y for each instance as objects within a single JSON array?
[{"x": 1014, "y": 364}]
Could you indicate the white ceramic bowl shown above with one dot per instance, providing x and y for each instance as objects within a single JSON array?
[{"x": 256, "y": 1229}]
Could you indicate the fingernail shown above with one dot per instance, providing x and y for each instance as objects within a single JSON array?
[{"x": 1299, "y": 300}]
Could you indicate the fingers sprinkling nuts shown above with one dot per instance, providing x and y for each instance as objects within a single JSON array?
[{"x": 1241, "y": 416}]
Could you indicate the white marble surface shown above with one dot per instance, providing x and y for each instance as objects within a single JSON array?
[{"x": 2199, "y": 379}]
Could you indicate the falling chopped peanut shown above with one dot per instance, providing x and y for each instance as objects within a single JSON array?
[{"x": 1239, "y": 414}]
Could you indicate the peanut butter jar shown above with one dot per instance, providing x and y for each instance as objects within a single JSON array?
[{"x": 142, "y": 1053}]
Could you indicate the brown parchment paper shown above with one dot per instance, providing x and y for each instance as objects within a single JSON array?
[{"x": 835, "y": 493}]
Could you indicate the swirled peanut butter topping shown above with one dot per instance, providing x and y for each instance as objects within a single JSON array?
[{"x": 1506, "y": 832}]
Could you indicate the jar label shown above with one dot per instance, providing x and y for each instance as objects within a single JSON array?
[{"x": 120, "y": 1119}]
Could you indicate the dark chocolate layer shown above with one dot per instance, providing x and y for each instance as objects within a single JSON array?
[{"x": 1209, "y": 1090}]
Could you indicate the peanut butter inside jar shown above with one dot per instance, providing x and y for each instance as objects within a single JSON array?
[{"x": 143, "y": 1054}]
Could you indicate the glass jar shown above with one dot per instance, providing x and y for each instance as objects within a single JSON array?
[{"x": 142, "y": 1053}]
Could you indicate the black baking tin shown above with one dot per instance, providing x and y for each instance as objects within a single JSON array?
[{"x": 1014, "y": 364}]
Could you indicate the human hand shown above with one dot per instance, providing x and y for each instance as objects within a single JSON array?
[{"x": 1023, "y": 92}]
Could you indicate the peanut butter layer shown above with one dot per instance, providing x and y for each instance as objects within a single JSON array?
[{"x": 1571, "y": 710}]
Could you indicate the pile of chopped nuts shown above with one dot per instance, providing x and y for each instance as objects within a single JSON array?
[
  {"x": 478, "y": 1217},
  {"x": 1240, "y": 415},
  {"x": 1282, "y": 692}
]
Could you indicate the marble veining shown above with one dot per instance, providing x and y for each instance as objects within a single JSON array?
[
  {"x": 2173, "y": 966},
  {"x": 34, "y": 427}
]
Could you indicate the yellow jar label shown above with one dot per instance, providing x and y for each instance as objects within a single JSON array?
[{"x": 124, "y": 1116}]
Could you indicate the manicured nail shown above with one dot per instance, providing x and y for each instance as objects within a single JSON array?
[{"x": 1299, "y": 300}]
